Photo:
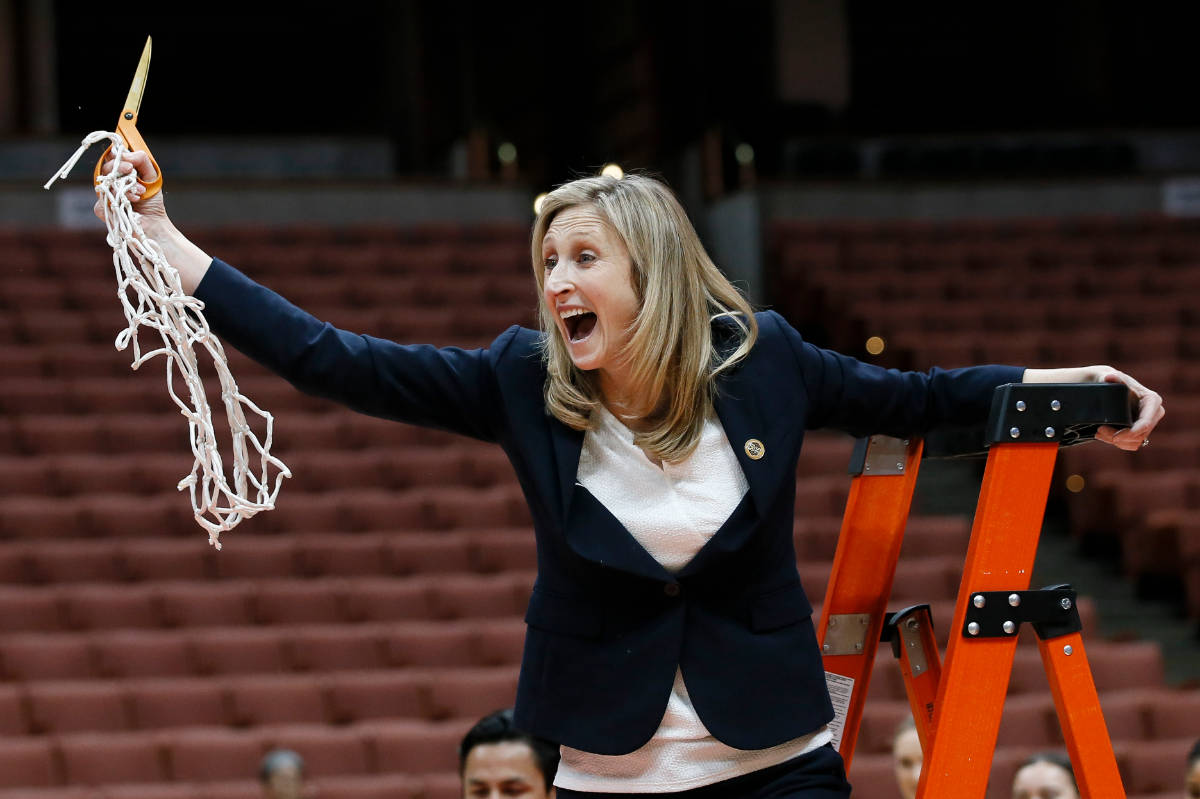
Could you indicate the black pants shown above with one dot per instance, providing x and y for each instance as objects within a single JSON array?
[{"x": 817, "y": 775}]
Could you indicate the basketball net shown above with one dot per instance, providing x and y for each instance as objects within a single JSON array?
[{"x": 152, "y": 297}]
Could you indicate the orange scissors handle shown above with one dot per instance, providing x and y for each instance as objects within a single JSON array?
[{"x": 127, "y": 127}]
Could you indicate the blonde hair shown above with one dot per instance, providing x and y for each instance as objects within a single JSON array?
[{"x": 673, "y": 359}]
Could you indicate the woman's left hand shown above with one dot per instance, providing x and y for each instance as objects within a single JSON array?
[{"x": 1149, "y": 410}]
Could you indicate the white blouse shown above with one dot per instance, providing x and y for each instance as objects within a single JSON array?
[{"x": 672, "y": 510}]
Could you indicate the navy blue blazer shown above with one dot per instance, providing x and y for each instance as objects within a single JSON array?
[{"x": 606, "y": 624}]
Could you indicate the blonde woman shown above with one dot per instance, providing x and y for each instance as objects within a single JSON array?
[{"x": 654, "y": 424}]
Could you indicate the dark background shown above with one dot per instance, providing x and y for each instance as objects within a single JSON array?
[{"x": 576, "y": 84}]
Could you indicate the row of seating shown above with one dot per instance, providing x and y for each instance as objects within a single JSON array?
[
  {"x": 205, "y": 651},
  {"x": 1134, "y": 708},
  {"x": 217, "y": 754},
  {"x": 234, "y": 603},
  {"x": 1149, "y": 770},
  {"x": 242, "y": 701},
  {"x": 375, "y": 786}
]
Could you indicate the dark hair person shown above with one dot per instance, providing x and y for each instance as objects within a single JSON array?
[
  {"x": 654, "y": 423},
  {"x": 495, "y": 759},
  {"x": 1045, "y": 775}
]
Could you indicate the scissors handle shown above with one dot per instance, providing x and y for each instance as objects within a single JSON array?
[{"x": 127, "y": 128}]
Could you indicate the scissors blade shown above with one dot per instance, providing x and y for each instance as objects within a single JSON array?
[{"x": 134, "y": 101}]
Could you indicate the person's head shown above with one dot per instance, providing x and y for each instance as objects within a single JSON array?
[
  {"x": 628, "y": 300},
  {"x": 281, "y": 773},
  {"x": 1192, "y": 787},
  {"x": 495, "y": 760},
  {"x": 907, "y": 757},
  {"x": 1046, "y": 775}
]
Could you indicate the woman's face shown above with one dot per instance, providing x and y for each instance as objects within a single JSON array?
[
  {"x": 1193, "y": 781},
  {"x": 501, "y": 770},
  {"x": 1043, "y": 781},
  {"x": 906, "y": 758},
  {"x": 588, "y": 289}
]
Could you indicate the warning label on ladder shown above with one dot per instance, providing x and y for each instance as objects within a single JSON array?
[{"x": 841, "y": 688}]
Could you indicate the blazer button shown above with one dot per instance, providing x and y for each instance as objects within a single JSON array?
[{"x": 671, "y": 589}]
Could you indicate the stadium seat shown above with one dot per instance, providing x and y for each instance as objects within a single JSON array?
[
  {"x": 99, "y": 758},
  {"x": 182, "y": 702},
  {"x": 67, "y": 707}
]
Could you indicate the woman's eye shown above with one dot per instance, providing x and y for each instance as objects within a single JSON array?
[
  {"x": 550, "y": 263},
  {"x": 586, "y": 257}
]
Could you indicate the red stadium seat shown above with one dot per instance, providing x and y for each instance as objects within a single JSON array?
[
  {"x": 27, "y": 763},
  {"x": 277, "y": 699},
  {"x": 380, "y": 694},
  {"x": 182, "y": 702},
  {"x": 337, "y": 648},
  {"x": 409, "y": 747},
  {"x": 53, "y": 656},
  {"x": 99, "y": 758},
  {"x": 327, "y": 751},
  {"x": 66, "y": 707},
  {"x": 220, "y": 603},
  {"x": 239, "y": 650},
  {"x": 208, "y": 755},
  {"x": 469, "y": 694},
  {"x": 134, "y": 653}
]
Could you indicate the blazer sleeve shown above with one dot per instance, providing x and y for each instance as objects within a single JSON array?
[
  {"x": 447, "y": 388},
  {"x": 863, "y": 399}
]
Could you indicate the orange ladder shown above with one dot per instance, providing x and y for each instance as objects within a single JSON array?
[{"x": 957, "y": 704}]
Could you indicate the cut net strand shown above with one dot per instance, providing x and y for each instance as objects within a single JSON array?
[{"x": 152, "y": 297}]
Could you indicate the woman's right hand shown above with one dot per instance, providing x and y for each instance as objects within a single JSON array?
[
  {"x": 189, "y": 260},
  {"x": 153, "y": 209}
]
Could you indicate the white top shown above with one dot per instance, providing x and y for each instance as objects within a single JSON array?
[{"x": 672, "y": 510}]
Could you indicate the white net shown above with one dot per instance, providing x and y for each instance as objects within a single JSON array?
[{"x": 152, "y": 298}]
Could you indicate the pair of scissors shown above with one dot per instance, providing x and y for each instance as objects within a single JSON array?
[{"x": 127, "y": 124}]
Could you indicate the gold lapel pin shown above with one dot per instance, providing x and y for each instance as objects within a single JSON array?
[{"x": 755, "y": 449}]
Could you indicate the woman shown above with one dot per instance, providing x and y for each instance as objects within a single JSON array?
[
  {"x": 1046, "y": 775},
  {"x": 654, "y": 426}
]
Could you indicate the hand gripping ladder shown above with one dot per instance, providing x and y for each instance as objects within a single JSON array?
[{"x": 957, "y": 704}]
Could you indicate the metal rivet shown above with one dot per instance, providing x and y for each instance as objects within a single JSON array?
[
  {"x": 129, "y": 116},
  {"x": 1049, "y": 432},
  {"x": 1020, "y": 405},
  {"x": 1014, "y": 599},
  {"x": 857, "y": 647},
  {"x": 979, "y": 600},
  {"x": 900, "y": 466},
  {"x": 906, "y": 442},
  {"x": 1055, "y": 405},
  {"x": 1068, "y": 651},
  {"x": 973, "y": 628},
  {"x": 1015, "y": 432},
  {"x": 1066, "y": 603},
  {"x": 1009, "y": 627},
  {"x": 867, "y": 467},
  {"x": 825, "y": 648},
  {"x": 864, "y": 621},
  {"x": 912, "y": 624}
]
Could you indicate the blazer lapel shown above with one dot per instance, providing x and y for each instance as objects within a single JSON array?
[{"x": 758, "y": 453}]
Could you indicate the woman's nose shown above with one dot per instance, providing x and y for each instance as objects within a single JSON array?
[{"x": 559, "y": 281}]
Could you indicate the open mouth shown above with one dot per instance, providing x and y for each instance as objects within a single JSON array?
[{"x": 580, "y": 325}]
